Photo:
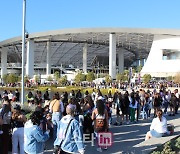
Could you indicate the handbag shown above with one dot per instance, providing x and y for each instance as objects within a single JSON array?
[{"x": 57, "y": 148}]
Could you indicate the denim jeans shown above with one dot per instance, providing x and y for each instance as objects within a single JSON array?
[
  {"x": 56, "y": 117},
  {"x": 165, "y": 106},
  {"x": 18, "y": 137}
]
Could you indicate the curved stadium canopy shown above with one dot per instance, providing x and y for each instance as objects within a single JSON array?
[{"x": 67, "y": 44}]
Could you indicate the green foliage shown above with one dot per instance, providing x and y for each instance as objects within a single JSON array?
[
  {"x": 170, "y": 147},
  {"x": 10, "y": 78},
  {"x": 177, "y": 144},
  {"x": 62, "y": 81},
  {"x": 49, "y": 78},
  {"x": 80, "y": 77},
  {"x": 5, "y": 76},
  {"x": 56, "y": 75},
  {"x": 19, "y": 78},
  {"x": 177, "y": 78},
  {"x": 90, "y": 76},
  {"x": 169, "y": 78},
  {"x": 102, "y": 75},
  {"x": 37, "y": 78},
  {"x": 146, "y": 78},
  {"x": 121, "y": 77},
  {"x": 26, "y": 79},
  {"x": 139, "y": 68},
  {"x": 108, "y": 79}
]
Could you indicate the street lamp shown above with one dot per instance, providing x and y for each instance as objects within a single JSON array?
[{"x": 23, "y": 50}]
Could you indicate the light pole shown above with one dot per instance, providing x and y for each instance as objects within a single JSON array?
[{"x": 23, "y": 50}]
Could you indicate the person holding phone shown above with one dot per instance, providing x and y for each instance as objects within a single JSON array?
[{"x": 34, "y": 137}]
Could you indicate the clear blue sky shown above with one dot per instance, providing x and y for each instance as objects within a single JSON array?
[{"x": 43, "y": 15}]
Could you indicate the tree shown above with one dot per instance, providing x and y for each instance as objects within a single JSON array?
[
  {"x": 146, "y": 78},
  {"x": 5, "y": 76},
  {"x": 177, "y": 78},
  {"x": 90, "y": 76},
  {"x": 119, "y": 77},
  {"x": 63, "y": 80},
  {"x": 36, "y": 78},
  {"x": 10, "y": 78},
  {"x": 79, "y": 78},
  {"x": 49, "y": 78},
  {"x": 122, "y": 76},
  {"x": 108, "y": 79},
  {"x": 169, "y": 78},
  {"x": 26, "y": 79},
  {"x": 56, "y": 75},
  {"x": 139, "y": 68}
]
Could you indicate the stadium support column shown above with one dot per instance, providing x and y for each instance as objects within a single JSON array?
[
  {"x": 30, "y": 58},
  {"x": 121, "y": 61},
  {"x": 85, "y": 58},
  {"x": 48, "y": 65},
  {"x": 3, "y": 62},
  {"x": 112, "y": 55}
]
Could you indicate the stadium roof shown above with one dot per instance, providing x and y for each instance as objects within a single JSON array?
[{"x": 67, "y": 44}]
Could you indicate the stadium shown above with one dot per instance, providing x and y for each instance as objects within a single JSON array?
[{"x": 113, "y": 49}]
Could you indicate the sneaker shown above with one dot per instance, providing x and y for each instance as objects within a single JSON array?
[
  {"x": 105, "y": 148},
  {"x": 99, "y": 149}
]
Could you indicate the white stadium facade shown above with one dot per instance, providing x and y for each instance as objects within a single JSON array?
[{"x": 157, "y": 50}]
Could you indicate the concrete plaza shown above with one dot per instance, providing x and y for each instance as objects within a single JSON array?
[{"x": 128, "y": 138}]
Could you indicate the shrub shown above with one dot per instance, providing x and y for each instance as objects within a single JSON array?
[
  {"x": 90, "y": 76},
  {"x": 146, "y": 78},
  {"x": 63, "y": 80},
  {"x": 108, "y": 79},
  {"x": 177, "y": 78},
  {"x": 56, "y": 75},
  {"x": 10, "y": 78},
  {"x": 170, "y": 147},
  {"x": 80, "y": 77}
]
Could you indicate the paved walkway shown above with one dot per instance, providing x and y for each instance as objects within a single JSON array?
[{"x": 128, "y": 138}]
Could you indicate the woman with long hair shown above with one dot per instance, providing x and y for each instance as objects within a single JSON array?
[
  {"x": 125, "y": 105},
  {"x": 100, "y": 118},
  {"x": 133, "y": 107},
  {"x": 18, "y": 120},
  {"x": 157, "y": 103},
  {"x": 158, "y": 126},
  {"x": 55, "y": 109},
  {"x": 5, "y": 114}
]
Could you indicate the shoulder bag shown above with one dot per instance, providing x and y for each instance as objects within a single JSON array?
[{"x": 57, "y": 148}]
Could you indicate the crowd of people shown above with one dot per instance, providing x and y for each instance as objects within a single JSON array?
[{"x": 66, "y": 117}]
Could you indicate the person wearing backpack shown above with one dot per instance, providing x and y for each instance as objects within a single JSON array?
[{"x": 100, "y": 118}]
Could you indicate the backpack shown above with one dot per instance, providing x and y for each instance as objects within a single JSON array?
[{"x": 100, "y": 123}]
